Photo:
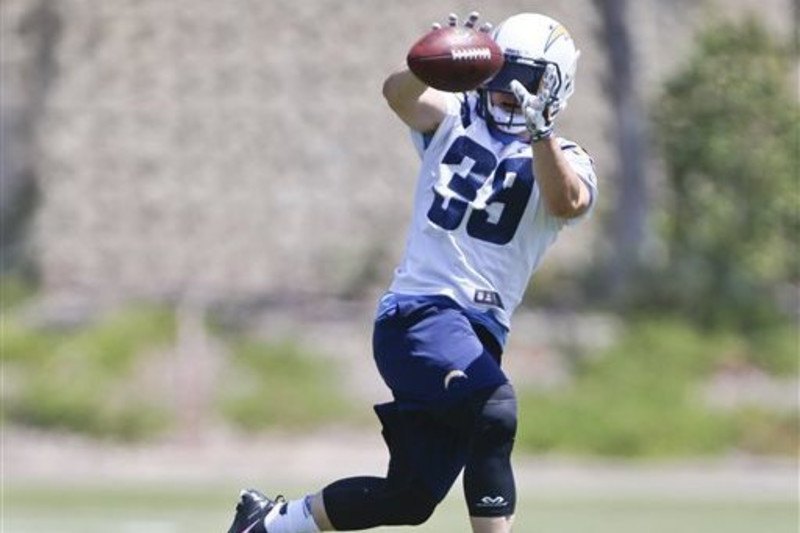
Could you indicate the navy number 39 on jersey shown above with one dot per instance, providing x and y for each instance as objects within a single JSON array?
[{"x": 494, "y": 194}]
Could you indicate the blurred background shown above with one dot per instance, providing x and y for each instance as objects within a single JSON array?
[{"x": 202, "y": 201}]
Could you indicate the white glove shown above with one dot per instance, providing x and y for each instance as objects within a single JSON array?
[
  {"x": 452, "y": 20},
  {"x": 540, "y": 108}
]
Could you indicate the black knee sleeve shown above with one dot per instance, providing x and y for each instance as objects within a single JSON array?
[
  {"x": 366, "y": 502},
  {"x": 488, "y": 478}
]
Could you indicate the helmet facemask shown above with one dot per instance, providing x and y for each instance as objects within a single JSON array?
[{"x": 525, "y": 70}]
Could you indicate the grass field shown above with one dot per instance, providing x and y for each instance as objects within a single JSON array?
[{"x": 206, "y": 509}]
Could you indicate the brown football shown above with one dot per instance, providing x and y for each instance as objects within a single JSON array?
[{"x": 455, "y": 59}]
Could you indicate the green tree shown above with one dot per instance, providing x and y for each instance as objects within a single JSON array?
[{"x": 728, "y": 125}]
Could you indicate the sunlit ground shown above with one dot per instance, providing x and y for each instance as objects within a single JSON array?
[{"x": 206, "y": 509}]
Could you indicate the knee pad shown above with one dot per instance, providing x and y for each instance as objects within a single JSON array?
[
  {"x": 497, "y": 418},
  {"x": 488, "y": 477}
]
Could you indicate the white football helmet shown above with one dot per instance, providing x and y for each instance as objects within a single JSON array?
[{"x": 530, "y": 42}]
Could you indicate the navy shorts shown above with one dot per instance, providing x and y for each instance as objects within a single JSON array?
[
  {"x": 429, "y": 353},
  {"x": 438, "y": 369}
]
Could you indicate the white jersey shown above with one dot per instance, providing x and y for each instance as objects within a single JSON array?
[{"x": 479, "y": 227}]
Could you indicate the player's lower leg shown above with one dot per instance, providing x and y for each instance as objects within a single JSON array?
[
  {"x": 294, "y": 516},
  {"x": 347, "y": 505},
  {"x": 496, "y": 524},
  {"x": 365, "y": 502},
  {"x": 489, "y": 486},
  {"x": 319, "y": 513}
]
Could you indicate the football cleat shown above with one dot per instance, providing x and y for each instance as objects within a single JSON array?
[{"x": 253, "y": 506}]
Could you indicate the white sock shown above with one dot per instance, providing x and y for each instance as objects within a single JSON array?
[{"x": 292, "y": 517}]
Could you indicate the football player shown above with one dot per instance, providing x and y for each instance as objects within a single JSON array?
[{"x": 496, "y": 187}]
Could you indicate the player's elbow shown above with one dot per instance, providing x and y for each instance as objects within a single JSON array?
[
  {"x": 395, "y": 99},
  {"x": 420, "y": 110},
  {"x": 394, "y": 91},
  {"x": 568, "y": 207},
  {"x": 569, "y": 202},
  {"x": 389, "y": 91},
  {"x": 402, "y": 89}
]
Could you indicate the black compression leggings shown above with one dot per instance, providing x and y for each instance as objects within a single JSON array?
[
  {"x": 402, "y": 498},
  {"x": 488, "y": 477},
  {"x": 366, "y": 502}
]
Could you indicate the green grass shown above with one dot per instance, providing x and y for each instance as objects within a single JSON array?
[
  {"x": 207, "y": 509},
  {"x": 279, "y": 384},
  {"x": 640, "y": 397},
  {"x": 80, "y": 379}
]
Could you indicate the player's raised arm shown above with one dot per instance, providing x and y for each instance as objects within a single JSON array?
[
  {"x": 421, "y": 107},
  {"x": 564, "y": 194}
]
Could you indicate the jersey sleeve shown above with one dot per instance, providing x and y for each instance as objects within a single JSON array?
[
  {"x": 455, "y": 105},
  {"x": 583, "y": 165}
]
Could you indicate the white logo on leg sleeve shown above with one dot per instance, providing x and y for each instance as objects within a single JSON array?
[{"x": 493, "y": 502}]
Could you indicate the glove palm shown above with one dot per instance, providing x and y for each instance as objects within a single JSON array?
[{"x": 541, "y": 107}]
